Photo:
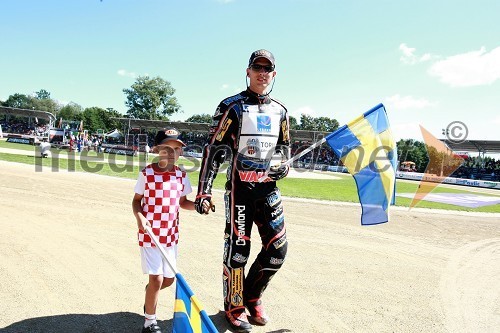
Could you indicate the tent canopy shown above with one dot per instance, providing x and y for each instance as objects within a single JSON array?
[{"x": 114, "y": 134}]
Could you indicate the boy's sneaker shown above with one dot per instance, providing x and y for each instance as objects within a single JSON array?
[
  {"x": 257, "y": 314},
  {"x": 238, "y": 321},
  {"x": 153, "y": 328}
]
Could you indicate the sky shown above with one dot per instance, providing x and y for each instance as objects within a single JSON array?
[{"x": 431, "y": 63}]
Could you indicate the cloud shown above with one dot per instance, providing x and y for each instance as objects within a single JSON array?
[
  {"x": 61, "y": 102},
  {"x": 406, "y": 131},
  {"x": 410, "y": 58},
  {"x": 224, "y": 1},
  {"x": 303, "y": 110},
  {"x": 407, "y": 102},
  {"x": 473, "y": 68},
  {"x": 123, "y": 72},
  {"x": 227, "y": 87}
]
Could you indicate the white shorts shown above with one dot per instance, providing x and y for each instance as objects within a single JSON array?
[{"x": 153, "y": 262}]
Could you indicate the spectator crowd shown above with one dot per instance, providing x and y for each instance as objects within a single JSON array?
[{"x": 320, "y": 158}]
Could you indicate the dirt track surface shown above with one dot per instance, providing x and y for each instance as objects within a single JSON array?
[{"x": 70, "y": 263}]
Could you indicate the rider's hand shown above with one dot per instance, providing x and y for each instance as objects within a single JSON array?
[
  {"x": 278, "y": 172},
  {"x": 203, "y": 204}
]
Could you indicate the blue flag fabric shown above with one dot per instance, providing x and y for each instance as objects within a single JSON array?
[
  {"x": 189, "y": 316},
  {"x": 367, "y": 149}
]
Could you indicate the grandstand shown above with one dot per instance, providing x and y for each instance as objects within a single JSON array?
[
  {"x": 482, "y": 167},
  {"x": 202, "y": 128},
  {"x": 26, "y": 132},
  {"x": 478, "y": 146},
  {"x": 33, "y": 118},
  {"x": 195, "y": 135},
  {"x": 30, "y": 114}
]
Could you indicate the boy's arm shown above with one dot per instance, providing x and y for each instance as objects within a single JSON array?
[
  {"x": 185, "y": 203},
  {"x": 137, "y": 210}
]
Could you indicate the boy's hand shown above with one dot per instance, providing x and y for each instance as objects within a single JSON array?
[
  {"x": 142, "y": 222},
  {"x": 204, "y": 204}
]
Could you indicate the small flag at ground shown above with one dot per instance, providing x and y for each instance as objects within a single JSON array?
[{"x": 189, "y": 316}]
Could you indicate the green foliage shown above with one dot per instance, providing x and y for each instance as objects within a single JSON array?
[
  {"x": 322, "y": 124},
  {"x": 41, "y": 102},
  {"x": 42, "y": 94},
  {"x": 326, "y": 124},
  {"x": 306, "y": 123},
  {"x": 95, "y": 118},
  {"x": 20, "y": 101},
  {"x": 151, "y": 98},
  {"x": 293, "y": 123},
  {"x": 71, "y": 111},
  {"x": 414, "y": 151},
  {"x": 111, "y": 124},
  {"x": 46, "y": 104},
  {"x": 200, "y": 118}
]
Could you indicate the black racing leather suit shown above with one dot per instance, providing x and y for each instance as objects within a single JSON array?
[{"x": 247, "y": 130}]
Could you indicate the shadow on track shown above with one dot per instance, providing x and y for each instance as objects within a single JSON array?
[{"x": 117, "y": 322}]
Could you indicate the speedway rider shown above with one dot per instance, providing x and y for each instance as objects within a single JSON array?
[{"x": 250, "y": 131}]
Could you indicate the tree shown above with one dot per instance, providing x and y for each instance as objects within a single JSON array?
[
  {"x": 293, "y": 123},
  {"x": 200, "y": 118},
  {"x": 48, "y": 105},
  {"x": 111, "y": 124},
  {"x": 151, "y": 98},
  {"x": 322, "y": 124},
  {"x": 326, "y": 124},
  {"x": 306, "y": 123},
  {"x": 42, "y": 94},
  {"x": 71, "y": 111},
  {"x": 414, "y": 151},
  {"x": 95, "y": 118},
  {"x": 20, "y": 101}
]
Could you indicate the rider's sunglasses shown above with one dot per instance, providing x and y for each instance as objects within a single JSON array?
[{"x": 258, "y": 68}]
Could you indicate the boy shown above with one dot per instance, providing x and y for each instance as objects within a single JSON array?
[{"x": 160, "y": 190}]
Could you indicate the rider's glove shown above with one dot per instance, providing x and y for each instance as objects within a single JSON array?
[
  {"x": 276, "y": 173},
  {"x": 203, "y": 204}
]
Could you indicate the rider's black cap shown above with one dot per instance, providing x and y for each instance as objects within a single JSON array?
[{"x": 261, "y": 54}]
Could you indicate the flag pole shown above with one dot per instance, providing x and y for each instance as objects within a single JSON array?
[
  {"x": 160, "y": 247},
  {"x": 209, "y": 326},
  {"x": 296, "y": 157},
  {"x": 305, "y": 151}
]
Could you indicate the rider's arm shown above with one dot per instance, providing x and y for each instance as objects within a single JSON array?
[{"x": 218, "y": 147}]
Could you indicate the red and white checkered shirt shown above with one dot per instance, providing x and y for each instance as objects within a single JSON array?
[{"x": 160, "y": 204}]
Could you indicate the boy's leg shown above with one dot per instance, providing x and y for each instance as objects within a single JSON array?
[
  {"x": 152, "y": 292},
  {"x": 160, "y": 276},
  {"x": 151, "y": 300},
  {"x": 167, "y": 282}
]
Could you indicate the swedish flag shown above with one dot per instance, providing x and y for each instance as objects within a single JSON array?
[
  {"x": 367, "y": 149},
  {"x": 189, "y": 316}
]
